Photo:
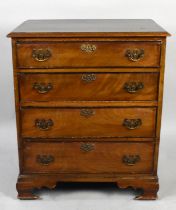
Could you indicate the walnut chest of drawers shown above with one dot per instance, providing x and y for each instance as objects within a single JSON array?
[{"x": 88, "y": 102}]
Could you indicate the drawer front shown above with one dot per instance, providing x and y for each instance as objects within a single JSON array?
[
  {"x": 88, "y": 157},
  {"x": 89, "y": 86},
  {"x": 88, "y": 122},
  {"x": 88, "y": 54}
]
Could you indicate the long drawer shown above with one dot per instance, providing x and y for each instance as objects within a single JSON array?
[
  {"x": 88, "y": 54},
  {"x": 89, "y": 87},
  {"x": 88, "y": 157},
  {"x": 88, "y": 122}
]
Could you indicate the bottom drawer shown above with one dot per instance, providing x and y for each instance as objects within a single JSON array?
[{"x": 84, "y": 157}]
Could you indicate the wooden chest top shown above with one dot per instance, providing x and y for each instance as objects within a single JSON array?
[{"x": 88, "y": 27}]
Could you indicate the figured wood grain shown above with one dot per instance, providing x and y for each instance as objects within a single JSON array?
[
  {"x": 104, "y": 128},
  {"x": 72, "y": 87},
  {"x": 68, "y": 157},
  {"x": 97, "y": 139},
  {"x": 105, "y": 122},
  {"x": 89, "y": 70},
  {"x": 72, "y": 104},
  {"x": 69, "y": 54},
  {"x": 88, "y": 27}
]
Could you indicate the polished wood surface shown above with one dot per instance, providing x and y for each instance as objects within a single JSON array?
[
  {"x": 70, "y": 54},
  {"x": 101, "y": 122},
  {"x": 88, "y": 87},
  {"x": 88, "y": 97},
  {"x": 71, "y": 158},
  {"x": 93, "y": 27},
  {"x": 89, "y": 104}
]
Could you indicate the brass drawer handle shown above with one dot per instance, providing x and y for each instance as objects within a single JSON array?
[
  {"x": 87, "y": 147},
  {"x": 43, "y": 124},
  {"x": 42, "y": 87},
  {"x": 87, "y": 112},
  {"x": 88, "y": 48},
  {"x": 41, "y": 54},
  {"x": 130, "y": 160},
  {"x": 45, "y": 159},
  {"x": 133, "y": 87},
  {"x": 135, "y": 54},
  {"x": 88, "y": 78},
  {"x": 132, "y": 123}
]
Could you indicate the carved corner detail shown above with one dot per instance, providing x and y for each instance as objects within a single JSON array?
[
  {"x": 25, "y": 187},
  {"x": 149, "y": 188}
]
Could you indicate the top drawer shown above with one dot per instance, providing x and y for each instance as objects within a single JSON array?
[{"x": 88, "y": 54}]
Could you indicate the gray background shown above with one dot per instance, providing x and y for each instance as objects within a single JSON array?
[{"x": 12, "y": 13}]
